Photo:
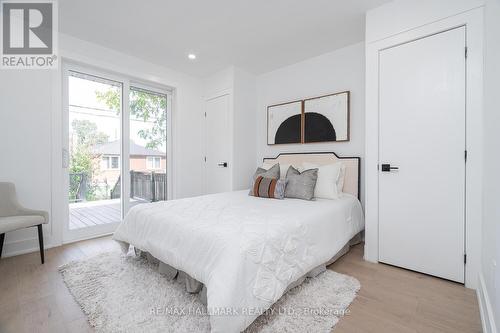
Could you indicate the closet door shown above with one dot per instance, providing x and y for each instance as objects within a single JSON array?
[
  {"x": 217, "y": 145},
  {"x": 422, "y": 155}
]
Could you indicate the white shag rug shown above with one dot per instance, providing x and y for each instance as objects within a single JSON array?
[{"x": 121, "y": 293}]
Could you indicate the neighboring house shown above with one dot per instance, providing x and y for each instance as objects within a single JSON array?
[{"x": 141, "y": 159}]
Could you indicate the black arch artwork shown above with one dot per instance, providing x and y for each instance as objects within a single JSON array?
[
  {"x": 289, "y": 130},
  {"x": 318, "y": 128}
]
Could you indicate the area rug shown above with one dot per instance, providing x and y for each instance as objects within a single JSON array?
[{"x": 121, "y": 293}]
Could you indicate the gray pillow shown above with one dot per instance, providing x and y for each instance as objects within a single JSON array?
[
  {"x": 273, "y": 172},
  {"x": 300, "y": 185}
]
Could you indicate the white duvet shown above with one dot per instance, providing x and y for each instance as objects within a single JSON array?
[{"x": 246, "y": 250}]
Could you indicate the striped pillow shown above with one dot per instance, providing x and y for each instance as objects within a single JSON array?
[{"x": 268, "y": 188}]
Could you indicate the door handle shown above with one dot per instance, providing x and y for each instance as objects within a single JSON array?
[
  {"x": 222, "y": 164},
  {"x": 388, "y": 168}
]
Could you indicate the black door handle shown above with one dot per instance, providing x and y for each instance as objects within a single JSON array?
[
  {"x": 388, "y": 168},
  {"x": 223, "y": 164}
]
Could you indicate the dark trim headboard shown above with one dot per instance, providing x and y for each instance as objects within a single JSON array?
[{"x": 352, "y": 183}]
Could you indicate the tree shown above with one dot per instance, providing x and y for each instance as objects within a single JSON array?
[
  {"x": 83, "y": 160},
  {"x": 144, "y": 106},
  {"x": 87, "y": 134}
]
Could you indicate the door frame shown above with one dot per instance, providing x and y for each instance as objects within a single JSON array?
[
  {"x": 68, "y": 235},
  {"x": 473, "y": 22}
]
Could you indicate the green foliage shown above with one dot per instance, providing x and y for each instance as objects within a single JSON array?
[
  {"x": 87, "y": 134},
  {"x": 82, "y": 160},
  {"x": 146, "y": 107},
  {"x": 111, "y": 97}
]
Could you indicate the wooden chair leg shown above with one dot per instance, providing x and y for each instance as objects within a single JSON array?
[
  {"x": 40, "y": 242},
  {"x": 2, "y": 238}
]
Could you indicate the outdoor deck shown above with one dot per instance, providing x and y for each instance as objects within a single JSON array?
[{"x": 91, "y": 213}]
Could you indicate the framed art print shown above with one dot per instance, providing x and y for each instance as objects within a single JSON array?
[
  {"x": 326, "y": 118},
  {"x": 284, "y": 123}
]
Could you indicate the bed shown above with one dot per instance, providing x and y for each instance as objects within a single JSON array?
[{"x": 244, "y": 251}]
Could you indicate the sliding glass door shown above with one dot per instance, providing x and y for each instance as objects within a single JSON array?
[
  {"x": 147, "y": 145},
  {"x": 94, "y": 153},
  {"x": 116, "y": 148}
]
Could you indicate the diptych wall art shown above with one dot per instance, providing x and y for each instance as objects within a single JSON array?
[{"x": 318, "y": 119}]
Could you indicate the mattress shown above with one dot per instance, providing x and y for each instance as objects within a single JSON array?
[{"x": 264, "y": 245}]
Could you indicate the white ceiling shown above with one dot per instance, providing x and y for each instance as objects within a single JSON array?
[{"x": 256, "y": 35}]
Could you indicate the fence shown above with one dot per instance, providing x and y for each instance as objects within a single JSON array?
[
  {"x": 149, "y": 186},
  {"x": 77, "y": 187},
  {"x": 116, "y": 191}
]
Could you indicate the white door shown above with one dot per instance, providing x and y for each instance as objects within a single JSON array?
[
  {"x": 217, "y": 145},
  {"x": 422, "y": 133}
]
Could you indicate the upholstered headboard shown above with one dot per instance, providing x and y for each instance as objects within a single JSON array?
[{"x": 352, "y": 164}]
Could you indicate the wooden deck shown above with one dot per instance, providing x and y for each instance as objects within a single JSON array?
[
  {"x": 88, "y": 214},
  {"x": 91, "y": 213}
]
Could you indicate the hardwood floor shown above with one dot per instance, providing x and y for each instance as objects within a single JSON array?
[
  {"x": 33, "y": 297},
  {"x": 397, "y": 300}
]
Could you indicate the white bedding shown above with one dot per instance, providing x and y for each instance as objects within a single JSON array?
[{"x": 246, "y": 250}]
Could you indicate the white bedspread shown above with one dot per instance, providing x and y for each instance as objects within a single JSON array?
[{"x": 246, "y": 250}]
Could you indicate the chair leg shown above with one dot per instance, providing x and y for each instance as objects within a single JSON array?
[
  {"x": 40, "y": 242},
  {"x": 2, "y": 238}
]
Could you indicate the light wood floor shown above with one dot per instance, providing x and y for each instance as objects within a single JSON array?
[{"x": 33, "y": 297}]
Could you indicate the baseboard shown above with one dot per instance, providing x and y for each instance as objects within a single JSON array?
[
  {"x": 29, "y": 245},
  {"x": 485, "y": 307},
  {"x": 24, "y": 246}
]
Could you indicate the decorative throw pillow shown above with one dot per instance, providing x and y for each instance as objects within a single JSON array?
[
  {"x": 273, "y": 172},
  {"x": 268, "y": 188},
  {"x": 327, "y": 186},
  {"x": 300, "y": 185},
  {"x": 283, "y": 168}
]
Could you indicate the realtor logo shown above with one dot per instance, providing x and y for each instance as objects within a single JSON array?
[{"x": 29, "y": 34}]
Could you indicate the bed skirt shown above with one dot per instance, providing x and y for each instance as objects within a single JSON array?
[{"x": 195, "y": 287}]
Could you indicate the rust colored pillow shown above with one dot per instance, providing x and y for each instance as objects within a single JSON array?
[{"x": 268, "y": 188}]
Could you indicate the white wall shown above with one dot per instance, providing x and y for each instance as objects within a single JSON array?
[
  {"x": 30, "y": 142},
  {"x": 491, "y": 180},
  {"x": 217, "y": 83},
  {"x": 337, "y": 71},
  {"x": 25, "y": 144},
  {"x": 245, "y": 128}
]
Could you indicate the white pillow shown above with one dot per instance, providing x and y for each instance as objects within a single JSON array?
[
  {"x": 283, "y": 168},
  {"x": 267, "y": 165},
  {"x": 340, "y": 181},
  {"x": 328, "y": 177}
]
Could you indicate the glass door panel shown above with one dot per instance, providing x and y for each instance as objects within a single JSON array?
[
  {"x": 148, "y": 146},
  {"x": 94, "y": 114}
]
